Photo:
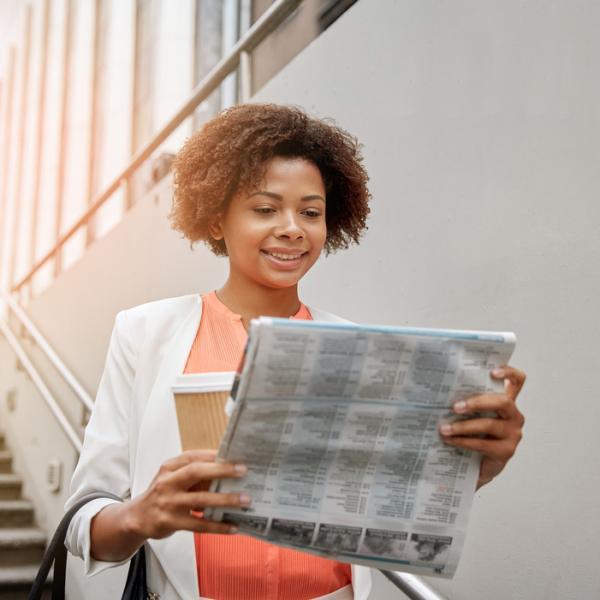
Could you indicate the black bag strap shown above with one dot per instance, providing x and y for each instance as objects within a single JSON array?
[
  {"x": 136, "y": 587},
  {"x": 56, "y": 552}
]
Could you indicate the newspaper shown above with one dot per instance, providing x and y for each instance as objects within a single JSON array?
[{"x": 338, "y": 425}]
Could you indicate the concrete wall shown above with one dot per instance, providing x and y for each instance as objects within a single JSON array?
[{"x": 480, "y": 123}]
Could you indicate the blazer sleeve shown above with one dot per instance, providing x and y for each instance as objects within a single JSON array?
[{"x": 104, "y": 463}]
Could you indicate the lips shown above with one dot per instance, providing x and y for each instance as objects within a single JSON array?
[
  {"x": 284, "y": 256},
  {"x": 281, "y": 258}
]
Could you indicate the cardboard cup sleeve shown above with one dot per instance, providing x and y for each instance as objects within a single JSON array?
[{"x": 201, "y": 413}]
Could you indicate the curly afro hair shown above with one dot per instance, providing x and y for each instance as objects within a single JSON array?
[{"x": 230, "y": 154}]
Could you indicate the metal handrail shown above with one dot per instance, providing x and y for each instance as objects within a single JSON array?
[
  {"x": 268, "y": 21},
  {"x": 51, "y": 355},
  {"x": 41, "y": 386},
  {"x": 414, "y": 587}
]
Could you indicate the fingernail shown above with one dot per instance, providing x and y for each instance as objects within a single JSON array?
[
  {"x": 245, "y": 499},
  {"x": 498, "y": 372},
  {"x": 460, "y": 406},
  {"x": 233, "y": 529},
  {"x": 240, "y": 469},
  {"x": 446, "y": 429}
]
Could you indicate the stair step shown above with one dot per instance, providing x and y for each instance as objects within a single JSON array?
[
  {"x": 10, "y": 486},
  {"x": 15, "y": 582},
  {"x": 23, "y": 575},
  {"x": 21, "y": 546},
  {"x": 5, "y": 461},
  {"x": 16, "y": 513},
  {"x": 18, "y": 575}
]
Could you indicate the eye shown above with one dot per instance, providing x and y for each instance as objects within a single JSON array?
[
  {"x": 263, "y": 210},
  {"x": 313, "y": 213}
]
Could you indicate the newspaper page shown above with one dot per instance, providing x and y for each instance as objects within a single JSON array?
[{"x": 338, "y": 425}]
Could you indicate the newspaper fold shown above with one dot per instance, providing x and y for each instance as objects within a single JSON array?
[{"x": 338, "y": 425}]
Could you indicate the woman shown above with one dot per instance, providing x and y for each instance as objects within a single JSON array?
[{"x": 270, "y": 188}]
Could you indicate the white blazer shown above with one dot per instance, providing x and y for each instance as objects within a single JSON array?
[{"x": 133, "y": 431}]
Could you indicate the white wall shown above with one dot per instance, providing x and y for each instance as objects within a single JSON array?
[{"x": 480, "y": 123}]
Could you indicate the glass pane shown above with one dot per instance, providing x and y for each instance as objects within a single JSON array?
[{"x": 207, "y": 53}]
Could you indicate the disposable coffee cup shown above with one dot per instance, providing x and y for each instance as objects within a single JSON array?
[{"x": 200, "y": 401}]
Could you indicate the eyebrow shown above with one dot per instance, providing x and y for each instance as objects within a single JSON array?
[{"x": 280, "y": 197}]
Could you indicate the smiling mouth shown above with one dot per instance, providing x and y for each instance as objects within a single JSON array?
[{"x": 284, "y": 257}]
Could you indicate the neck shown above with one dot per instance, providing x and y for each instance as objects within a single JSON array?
[{"x": 252, "y": 300}]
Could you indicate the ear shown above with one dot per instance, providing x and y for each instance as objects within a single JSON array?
[{"x": 215, "y": 227}]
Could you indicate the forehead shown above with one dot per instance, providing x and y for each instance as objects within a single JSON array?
[{"x": 298, "y": 172}]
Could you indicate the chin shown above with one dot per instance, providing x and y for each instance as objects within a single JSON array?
[
  {"x": 281, "y": 282},
  {"x": 281, "y": 285}
]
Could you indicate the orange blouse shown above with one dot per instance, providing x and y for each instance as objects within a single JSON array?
[{"x": 238, "y": 567}]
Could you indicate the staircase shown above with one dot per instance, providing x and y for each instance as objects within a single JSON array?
[{"x": 21, "y": 543}]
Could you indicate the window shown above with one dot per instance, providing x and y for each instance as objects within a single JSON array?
[
  {"x": 207, "y": 53},
  {"x": 143, "y": 94}
]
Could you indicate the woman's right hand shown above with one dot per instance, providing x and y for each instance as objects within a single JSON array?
[{"x": 180, "y": 488}]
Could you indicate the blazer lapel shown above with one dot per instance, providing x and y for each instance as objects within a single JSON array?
[{"x": 158, "y": 442}]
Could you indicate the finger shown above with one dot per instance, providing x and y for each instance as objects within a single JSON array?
[
  {"x": 495, "y": 428},
  {"x": 191, "y": 523},
  {"x": 514, "y": 379},
  {"x": 501, "y": 404},
  {"x": 191, "y": 474},
  {"x": 494, "y": 449},
  {"x": 201, "y": 500},
  {"x": 187, "y": 457}
]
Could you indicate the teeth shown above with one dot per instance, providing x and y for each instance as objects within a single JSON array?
[{"x": 284, "y": 256}]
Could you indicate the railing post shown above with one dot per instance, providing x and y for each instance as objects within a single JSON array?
[
  {"x": 41, "y": 118},
  {"x": 230, "y": 36},
  {"x": 62, "y": 148},
  {"x": 245, "y": 77},
  {"x": 94, "y": 133},
  {"x": 22, "y": 129},
  {"x": 7, "y": 129},
  {"x": 245, "y": 70}
]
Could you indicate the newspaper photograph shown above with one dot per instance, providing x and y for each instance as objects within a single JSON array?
[{"x": 338, "y": 426}]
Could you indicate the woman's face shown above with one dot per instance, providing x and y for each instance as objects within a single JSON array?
[{"x": 275, "y": 234}]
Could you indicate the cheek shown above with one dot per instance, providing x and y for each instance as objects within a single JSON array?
[
  {"x": 244, "y": 237},
  {"x": 254, "y": 230},
  {"x": 321, "y": 236}
]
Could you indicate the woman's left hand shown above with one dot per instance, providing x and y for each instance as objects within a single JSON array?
[{"x": 496, "y": 438}]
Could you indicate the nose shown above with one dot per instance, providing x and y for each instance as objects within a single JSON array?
[{"x": 289, "y": 226}]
